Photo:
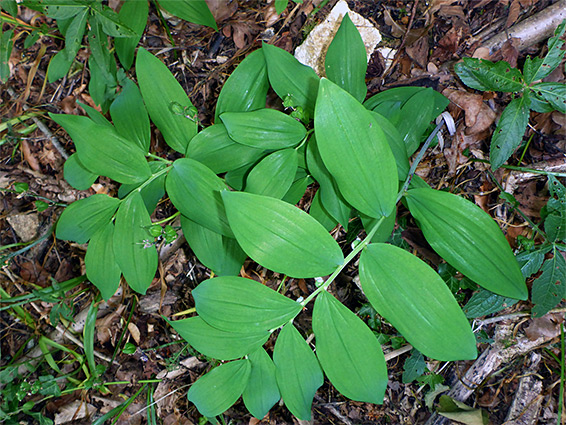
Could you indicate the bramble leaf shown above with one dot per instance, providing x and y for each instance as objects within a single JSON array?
[
  {"x": 538, "y": 68},
  {"x": 550, "y": 287},
  {"x": 481, "y": 74}
]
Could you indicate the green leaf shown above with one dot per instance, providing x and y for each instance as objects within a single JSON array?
[
  {"x": 195, "y": 11},
  {"x": 235, "y": 304},
  {"x": 151, "y": 192},
  {"x": 88, "y": 336},
  {"x": 459, "y": 412},
  {"x": 297, "y": 371},
  {"x": 346, "y": 60},
  {"x": 414, "y": 299},
  {"x": 298, "y": 187},
  {"x": 195, "y": 190},
  {"x": 215, "y": 343},
  {"x": 215, "y": 149},
  {"x": 485, "y": 302},
  {"x": 355, "y": 151},
  {"x": 262, "y": 391},
  {"x": 133, "y": 245},
  {"x": 10, "y": 6},
  {"x": 385, "y": 229},
  {"x": 320, "y": 213},
  {"x": 550, "y": 287},
  {"x": 396, "y": 143},
  {"x": 220, "y": 388},
  {"x": 289, "y": 77},
  {"x": 82, "y": 219},
  {"x": 264, "y": 128},
  {"x": 237, "y": 178},
  {"x": 76, "y": 174},
  {"x": 468, "y": 239},
  {"x": 6, "y": 45},
  {"x": 280, "y": 6},
  {"x": 96, "y": 116},
  {"x": 280, "y": 236},
  {"x": 509, "y": 132},
  {"x": 348, "y": 351},
  {"x": 134, "y": 15},
  {"x": 100, "y": 261},
  {"x": 481, "y": 74},
  {"x": 537, "y": 68},
  {"x": 273, "y": 175},
  {"x": 246, "y": 88},
  {"x": 553, "y": 93},
  {"x": 219, "y": 253},
  {"x": 130, "y": 117},
  {"x": 164, "y": 100},
  {"x": 413, "y": 367},
  {"x": 415, "y": 117},
  {"x": 530, "y": 261},
  {"x": 110, "y": 21},
  {"x": 102, "y": 151}
]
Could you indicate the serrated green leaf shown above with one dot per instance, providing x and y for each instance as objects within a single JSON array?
[
  {"x": 163, "y": 101},
  {"x": 215, "y": 343},
  {"x": 537, "y": 68},
  {"x": 133, "y": 245},
  {"x": 553, "y": 93},
  {"x": 550, "y": 287},
  {"x": 355, "y": 151},
  {"x": 530, "y": 262},
  {"x": 264, "y": 128},
  {"x": 102, "y": 151},
  {"x": 195, "y": 190},
  {"x": 219, "y": 253},
  {"x": 481, "y": 74},
  {"x": 273, "y": 175},
  {"x": 346, "y": 60},
  {"x": 468, "y": 239},
  {"x": 509, "y": 132},
  {"x": 297, "y": 371},
  {"x": 413, "y": 367},
  {"x": 262, "y": 391},
  {"x": 246, "y": 88},
  {"x": 82, "y": 219},
  {"x": 100, "y": 261},
  {"x": 195, "y": 11},
  {"x": 130, "y": 116},
  {"x": 10, "y": 6},
  {"x": 414, "y": 299},
  {"x": 220, "y": 388},
  {"x": 280, "y": 236},
  {"x": 485, "y": 302},
  {"x": 348, "y": 351},
  {"x": 289, "y": 77},
  {"x": 76, "y": 174},
  {"x": 235, "y": 304},
  {"x": 134, "y": 15},
  {"x": 110, "y": 21}
]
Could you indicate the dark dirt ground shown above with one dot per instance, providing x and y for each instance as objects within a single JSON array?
[{"x": 432, "y": 36}]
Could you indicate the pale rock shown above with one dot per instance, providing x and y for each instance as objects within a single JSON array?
[
  {"x": 313, "y": 50},
  {"x": 25, "y": 225}
]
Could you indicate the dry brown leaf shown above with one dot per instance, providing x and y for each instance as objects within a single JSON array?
[
  {"x": 396, "y": 29},
  {"x": 222, "y": 9},
  {"x": 418, "y": 51},
  {"x": 135, "y": 332},
  {"x": 509, "y": 52},
  {"x": 455, "y": 11},
  {"x": 73, "y": 411},
  {"x": 29, "y": 157},
  {"x": 514, "y": 12},
  {"x": 547, "y": 326},
  {"x": 478, "y": 116}
]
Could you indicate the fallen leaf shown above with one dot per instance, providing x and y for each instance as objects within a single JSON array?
[
  {"x": 135, "y": 332},
  {"x": 514, "y": 12},
  {"x": 73, "y": 411},
  {"x": 547, "y": 326},
  {"x": 29, "y": 156},
  {"x": 478, "y": 116},
  {"x": 396, "y": 30}
]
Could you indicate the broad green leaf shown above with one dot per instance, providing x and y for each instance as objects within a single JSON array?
[
  {"x": 195, "y": 11},
  {"x": 166, "y": 102},
  {"x": 537, "y": 103},
  {"x": 215, "y": 149},
  {"x": 96, "y": 116},
  {"x": 297, "y": 371},
  {"x": 553, "y": 93},
  {"x": 273, "y": 175},
  {"x": 481, "y": 74},
  {"x": 297, "y": 189},
  {"x": 414, "y": 299},
  {"x": 6, "y": 45},
  {"x": 60, "y": 10},
  {"x": 215, "y": 343},
  {"x": 289, "y": 77},
  {"x": 537, "y": 68},
  {"x": 220, "y": 388},
  {"x": 100, "y": 261},
  {"x": 236, "y": 304},
  {"x": 262, "y": 391},
  {"x": 318, "y": 211},
  {"x": 385, "y": 229},
  {"x": 348, "y": 351},
  {"x": 133, "y": 14},
  {"x": 468, "y": 239},
  {"x": 346, "y": 60},
  {"x": 280, "y": 236},
  {"x": 195, "y": 190},
  {"x": 133, "y": 245},
  {"x": 485, "y": 302},
  {"x": 355, "y": 151},
  {"x": 509, "y": 132},
  {"x": 264, "y": 128},
  {"x": 76, "y": 174},
  {"x": 246, "y": 88},
  {"x": 396, "y": 143},
  {"x": 130, "y": 117},
  {"x": 10, "y": 6},
  {"x": 413, "y": 367},
  {"x": 550, "y": 287},
  {"x": 84, "y": 217},
  {"x": 102, "y": 151},
  {"x": 237, "y": 178},
  {"x": 280, "y": 6},
  {"x": 414, "y": 118},
  {"x": 150, "y": 192},
  {"x": 219, "y": 253}
]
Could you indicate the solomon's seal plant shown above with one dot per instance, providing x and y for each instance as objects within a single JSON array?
[{"x": 236, "y": 190}]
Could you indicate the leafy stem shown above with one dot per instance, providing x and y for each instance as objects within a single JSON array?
[{"x": 158, "y": 158}]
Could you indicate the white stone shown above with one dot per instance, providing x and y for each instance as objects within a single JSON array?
[{"x": 313, "y": 50}]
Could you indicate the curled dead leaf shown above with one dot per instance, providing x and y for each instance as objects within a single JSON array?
[
  {"x": 478, "y": 116},
  {"x": 547, "y": 326}
]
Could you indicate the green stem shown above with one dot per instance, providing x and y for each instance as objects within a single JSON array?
[
  {"x": 150, "y": 155},
  {"x": 164, "y": 23},
  {"x": 165, "y": 220},
  {"x": 523, "y": 169},
  {"x": 526, "y": 147},
  {"x": 147, "y": 182}
]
